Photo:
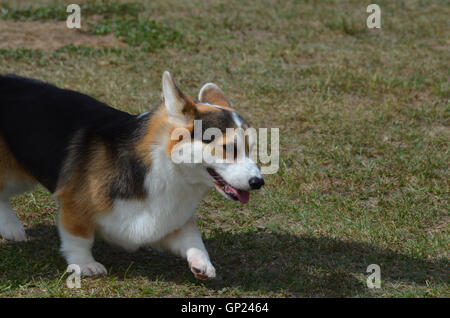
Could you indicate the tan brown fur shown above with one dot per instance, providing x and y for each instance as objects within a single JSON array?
[
  {"x": 157, "y": 125},
  {"x": 190, "y": 109},
  {"x": 86, "y": 193},
  {"x": 10, "y": 169},
  {"x": 171, "y": 143}
]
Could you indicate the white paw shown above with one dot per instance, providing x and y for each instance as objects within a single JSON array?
[
  {"x": 93, "y": 269},
  {"x": 202, "y": 267},
  {"x": 13, "y": 232}
]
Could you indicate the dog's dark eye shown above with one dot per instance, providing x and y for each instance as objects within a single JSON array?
[{"x": 206, "y": 141}]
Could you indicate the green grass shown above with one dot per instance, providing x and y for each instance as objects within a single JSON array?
[
  {"x": 31, "y": 12},
  {"x": 147, "y": 34},
  {"x": 364, "y": 138}
]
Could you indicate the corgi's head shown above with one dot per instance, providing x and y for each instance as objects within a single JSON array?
[{"x": 214, "y": 138}]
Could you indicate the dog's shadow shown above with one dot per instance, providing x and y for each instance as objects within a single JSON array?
[{"x": 259, "y": 263}]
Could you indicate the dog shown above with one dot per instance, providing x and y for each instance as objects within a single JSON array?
[{"x": 113, "y": 173}]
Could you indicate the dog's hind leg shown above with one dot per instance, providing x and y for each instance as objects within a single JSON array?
[
  {"x": 14, "y": 180},
  {"x": 10, "y": 226}
]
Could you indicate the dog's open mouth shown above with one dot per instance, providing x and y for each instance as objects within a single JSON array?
[{"x": 230, "y": 191}]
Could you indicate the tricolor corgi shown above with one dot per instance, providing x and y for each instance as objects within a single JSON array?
[{"x": 113, "y": 172}]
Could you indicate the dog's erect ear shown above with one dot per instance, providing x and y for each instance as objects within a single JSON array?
[
  {"x": 180, "y": 108},
  {"x": 212, "y": 94}
]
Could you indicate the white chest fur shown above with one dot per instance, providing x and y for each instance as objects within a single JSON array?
[{"x": 170, "y": 203}]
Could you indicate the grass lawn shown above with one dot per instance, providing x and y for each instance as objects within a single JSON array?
[{"x": 364, "y": 141}]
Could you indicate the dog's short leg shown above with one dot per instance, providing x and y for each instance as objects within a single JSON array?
[
  {"x": 77, "y": 239},
  {"x": 10, "y": 226},
  {"x": 187, "y": 243}
]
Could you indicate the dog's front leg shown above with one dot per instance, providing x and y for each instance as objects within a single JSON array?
[
  {"x": 187, "y": 243},
  {"x": 77, "y": 238}
]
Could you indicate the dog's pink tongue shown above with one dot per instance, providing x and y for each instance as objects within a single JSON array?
[{"x": 242, "y": 195}]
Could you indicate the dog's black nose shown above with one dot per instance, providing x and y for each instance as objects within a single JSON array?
[{"x": 256, "y": 183}]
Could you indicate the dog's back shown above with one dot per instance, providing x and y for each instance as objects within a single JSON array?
[{"x": 38, "y": 121}]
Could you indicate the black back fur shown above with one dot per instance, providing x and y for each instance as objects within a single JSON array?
[{"x": 38, "y": 121}]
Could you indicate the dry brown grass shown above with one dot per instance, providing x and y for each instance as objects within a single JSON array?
[{"x": 48, "y": 36}]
